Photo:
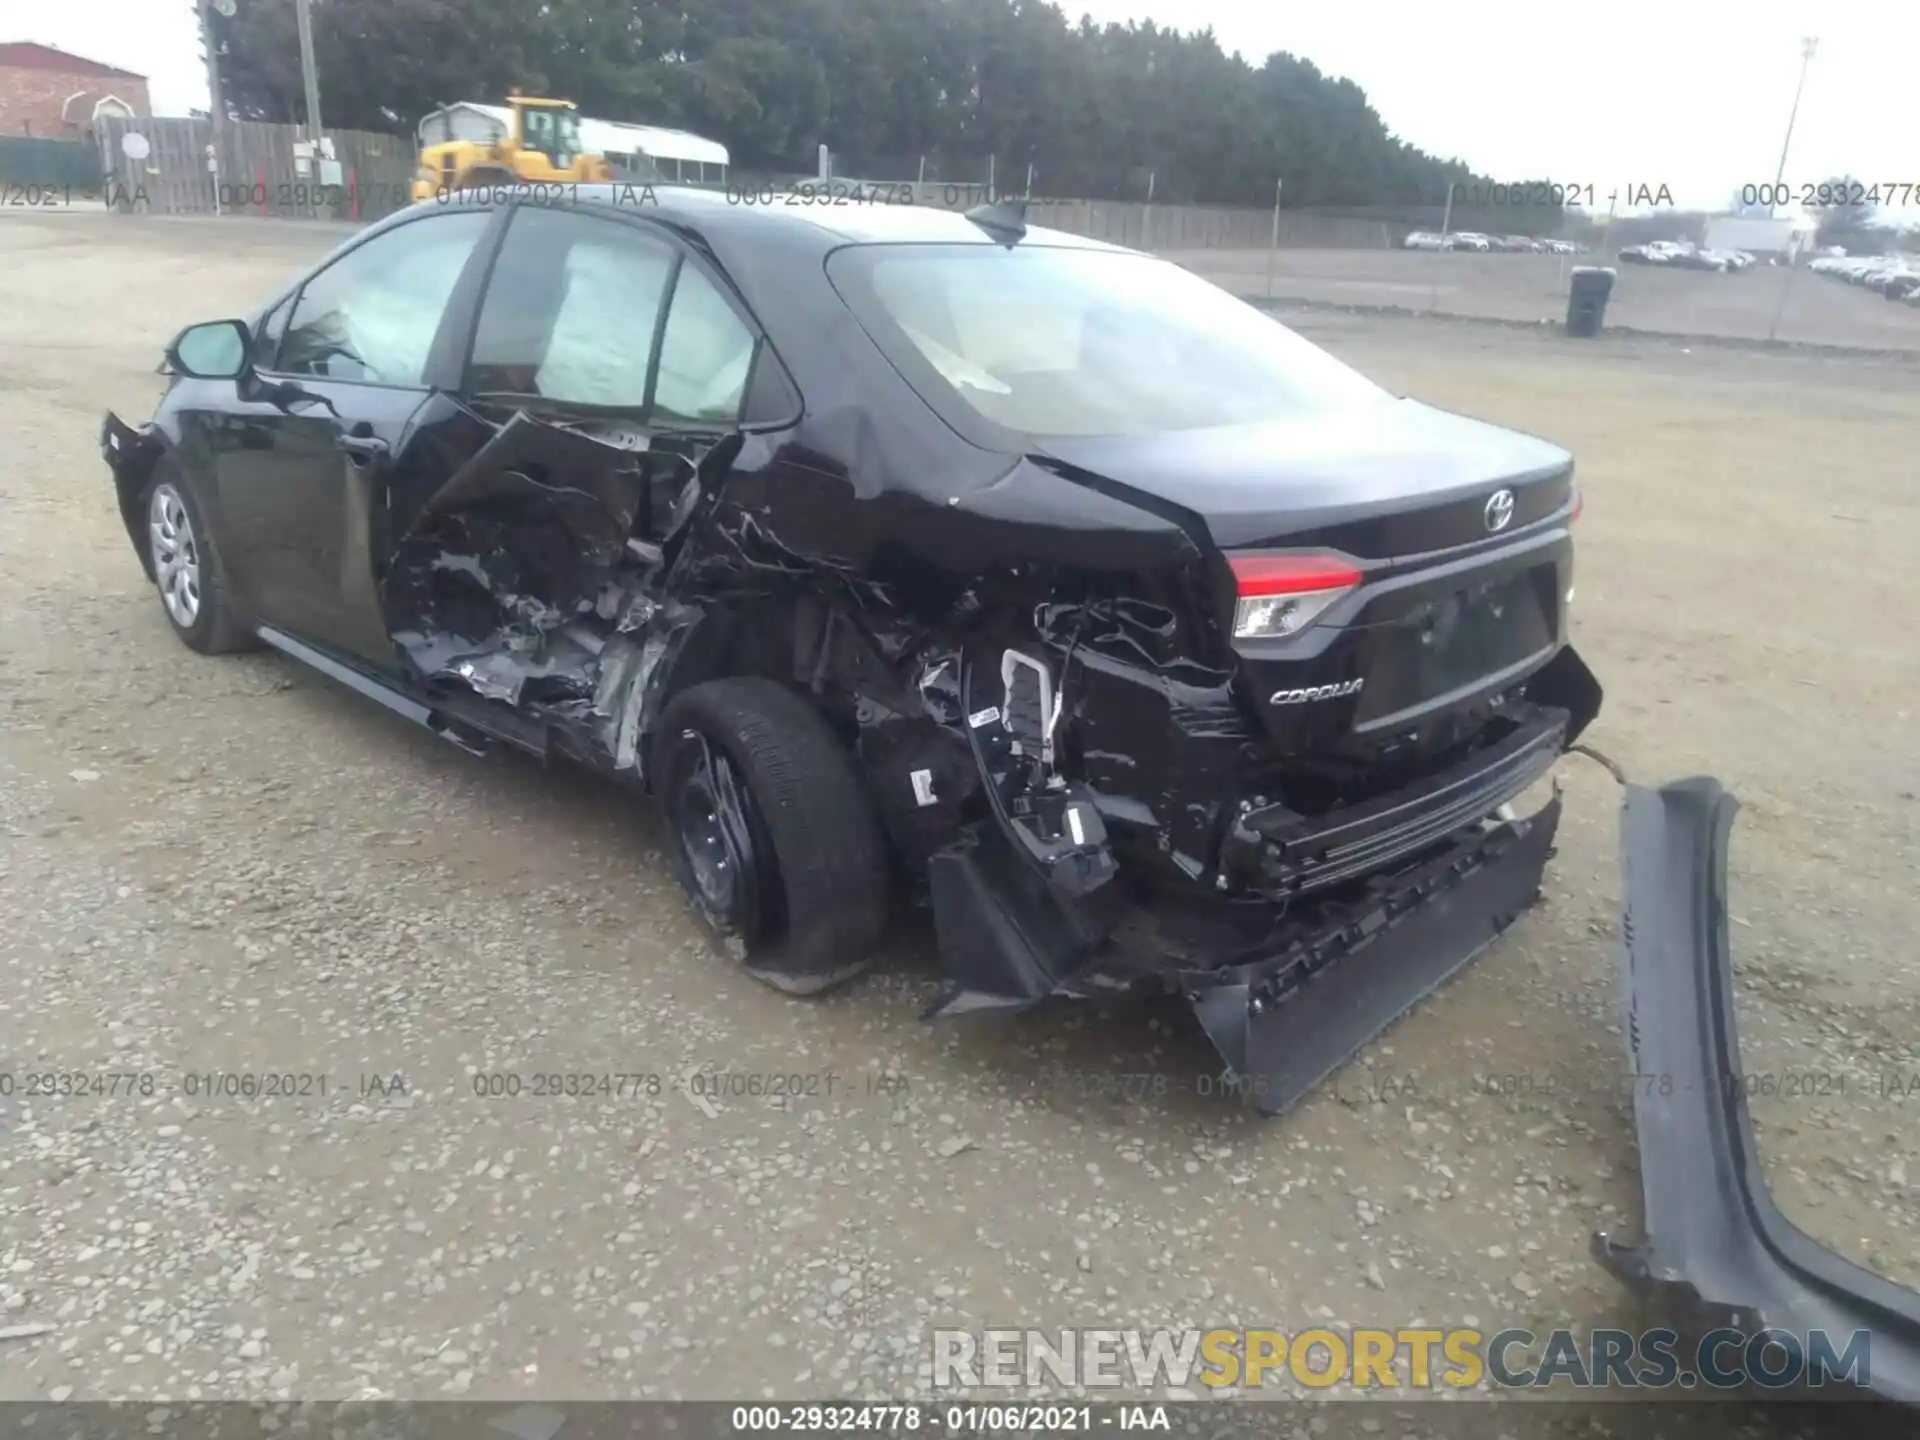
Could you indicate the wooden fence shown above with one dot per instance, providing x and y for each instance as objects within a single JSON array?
[{"x": 166, "y": 170}]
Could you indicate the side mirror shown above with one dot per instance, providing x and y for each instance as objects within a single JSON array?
[{"x": 217, "y": 350}]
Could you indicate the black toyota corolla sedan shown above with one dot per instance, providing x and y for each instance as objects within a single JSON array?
[{"x": 902, "y": 552}]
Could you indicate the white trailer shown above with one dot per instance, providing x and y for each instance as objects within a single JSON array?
[{"x": 1759, "y": 235}]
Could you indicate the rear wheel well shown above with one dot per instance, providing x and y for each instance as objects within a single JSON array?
[{"x": 768, "y": 639}]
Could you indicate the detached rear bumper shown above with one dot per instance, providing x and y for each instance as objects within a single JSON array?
[
  {"x": 130, "y": 455},
  {"x": 1285, "y": 1022},
  {"x": 1283, "y": 1014},
  {"x": 1717, "y": 1246}
]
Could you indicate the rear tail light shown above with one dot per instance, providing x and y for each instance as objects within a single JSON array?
[
  {"x": 1281, "y": 595},
  {"x": 1579, "y": 504}
]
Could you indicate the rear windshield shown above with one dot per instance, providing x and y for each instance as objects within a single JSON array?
[{"x": 1066, "y": 342}]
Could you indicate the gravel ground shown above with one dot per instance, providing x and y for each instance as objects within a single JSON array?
[
  {"x": 226, "y": 866},
  {"x": 1792, "y": 304}
]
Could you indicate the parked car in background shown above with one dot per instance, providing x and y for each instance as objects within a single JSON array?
[
  {"x": 1891, "y": 279},
  {"x": 1895, "y": 276},
  {"x": 1476, "y": 241},
  {"x": 1683, "y": 255},
  {"x": 1695, "y": 258}
]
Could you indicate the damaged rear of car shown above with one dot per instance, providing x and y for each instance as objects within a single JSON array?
[{"x": 894, "y": 549}]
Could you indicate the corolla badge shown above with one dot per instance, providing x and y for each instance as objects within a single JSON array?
[
  {"x": 1316, "y": 692},
  {"x": 1499, "y": 510}
]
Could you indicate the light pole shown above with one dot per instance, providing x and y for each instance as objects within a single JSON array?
[{"x": 1807, "y": 48}]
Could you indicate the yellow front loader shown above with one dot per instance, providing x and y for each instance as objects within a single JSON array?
[{"x": 542, "y": 146}]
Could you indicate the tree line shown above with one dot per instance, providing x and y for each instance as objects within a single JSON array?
[{"x": 1098, "y": 111}]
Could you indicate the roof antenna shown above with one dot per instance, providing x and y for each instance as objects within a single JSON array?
[{"x": 1004, "y": 220}]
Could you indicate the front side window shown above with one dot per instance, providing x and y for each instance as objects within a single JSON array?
[
  {"x": 1072, "y": 342},
  {"x": 373, "y": 313},
  {"x": 571, "y": 310}
]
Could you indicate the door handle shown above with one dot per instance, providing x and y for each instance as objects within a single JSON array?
[{"x": 363, "y": 449}]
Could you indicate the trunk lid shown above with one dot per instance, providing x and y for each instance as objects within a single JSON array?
[
  {"x": 1458, "y": 527},
  {"x": 1377, "y": 481}
]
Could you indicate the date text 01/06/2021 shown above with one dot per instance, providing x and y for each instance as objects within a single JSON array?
[
  {"x": 833, "y": 193},
  {"x": 78, "y": 1085},
  {"x": 1583, "y": 194}
]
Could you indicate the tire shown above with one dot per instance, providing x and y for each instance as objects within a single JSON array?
[
  {"x": 194, "y": 595},
  {"x": 774, "y": 834}
]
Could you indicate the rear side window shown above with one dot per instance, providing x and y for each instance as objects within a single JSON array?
[
  {"x": 373, "y": 313},
  {"x": 571, "y": 310},
  {"x": 706, "y": 355},
  {"x": 1065, "y": 342}
]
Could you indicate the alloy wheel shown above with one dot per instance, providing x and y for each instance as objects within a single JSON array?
[{"x": 176, "y": 555}]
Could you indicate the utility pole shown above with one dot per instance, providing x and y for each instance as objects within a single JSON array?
[
  {"x": 303, "y": 10},
  {"x": 1446, "y": 216},
  {"x": 216, "y": 101},
  {"x": 1807, "y": 48}
]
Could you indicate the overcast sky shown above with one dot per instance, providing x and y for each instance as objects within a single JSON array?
[{"x": 1682, "y": 93}]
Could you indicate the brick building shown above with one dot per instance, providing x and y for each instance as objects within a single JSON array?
[{"x": 49, "y": 93}]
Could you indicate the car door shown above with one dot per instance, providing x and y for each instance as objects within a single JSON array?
[
  {"x": 588, "y": 315},
  {"x": 304, "y": 482},
  {"x": 591, "y": 311}
]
